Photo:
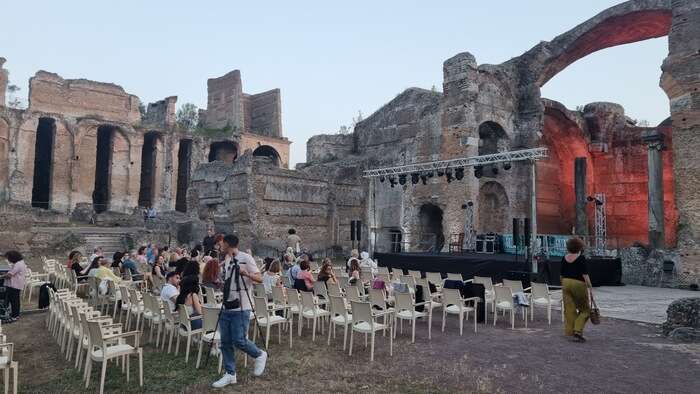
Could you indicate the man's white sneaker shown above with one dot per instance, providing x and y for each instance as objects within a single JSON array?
[
  {"x": 260, "y": 364},
  {"x": 224, "y": 381}
]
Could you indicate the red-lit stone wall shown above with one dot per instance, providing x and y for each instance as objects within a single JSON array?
[
  {"x": 621, "y": 173},
  {"x": 617, "y": 167}
]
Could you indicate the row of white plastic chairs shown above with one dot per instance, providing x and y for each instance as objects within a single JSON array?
[
  {"x": 85, "y": 333},
  {"x": 8, "y": 364}
]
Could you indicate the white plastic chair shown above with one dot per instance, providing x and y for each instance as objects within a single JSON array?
[
  {"x": 111, "y": 345},
  {"x": 266, "y": 318},
  {"x": 8, "y": 364},
  {"x": 185, "y": 330},
  {"x": 504, "y": 302},
  {"x": 540, "y": 296},
  {"x": 454, "y": 304},
  {"x": 364, "y": 322},
  {"x": 210, "y": 333},
  {"x": 339, "y": 317},
  {"x": 405, "y": 309},
  {"x": 311, "y": 311},
  {"x": 454, "y": 276},
  {"x": 516, "y": 286},
  {"x": 489, "y": 295},
  {"x": 415, "y": 273}
]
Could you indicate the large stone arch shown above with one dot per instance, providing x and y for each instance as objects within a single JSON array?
[{"x": 629, "y": 22}]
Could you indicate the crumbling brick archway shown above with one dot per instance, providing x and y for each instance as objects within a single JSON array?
[
  {"x": 268, "y": 152},
  {"x": 184, "y": 165},
  {"x": 226, "y": 151}
]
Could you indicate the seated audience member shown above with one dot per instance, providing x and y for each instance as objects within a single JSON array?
[
  {"x": 141, "y": 255},
  {"x": 326, "y": 273},
  {"x": 72, "y": 257},
  {"x": 117, "y": 259},
  {"x": 266, "y": 263},
  {"x": 97, "y": 252},
  {"x": 210, "y": 274},
  {"x": 287, "y": 263},
  {"x": 367, "y": 262},
  {"x": 189, "y": 297},
  {"x": 180, "y": 265},
  {"x": 293, "y": 273},
  {"x": 90, "y": 269},
  {"x": 158, "y": 269},
  {"x": 305, "y": 275},
  {"x": 128, "y": 264},
  {"x": 191, "y": 269},
  {"x": 77, "y": 268},
  {"x": 271, "y": 277},
  {"x": 104, "y": 271},
  {"x": 170, "y": 290},
  {"x": 354, "y": 271},
  {"x": 354, "y": 254}
]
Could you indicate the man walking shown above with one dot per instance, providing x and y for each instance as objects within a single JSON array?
[{"x": 239, "y": 269}]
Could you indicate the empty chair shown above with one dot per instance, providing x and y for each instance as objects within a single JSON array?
[
  {"x": 333, "y": 289},
  {"x": 383, "y": 270},
  {"x": 295, "y": 306},
  {"x": 112, "y": 346},
  {"x": 310, "y": 310},
  {"x": 540, "y": 296},
  {"x": 364, "y": 322},
  {"x": 414, "y": 273},
  {"x": 409, "y": 280},
  {"x": 321, "y": 292},
  {"x": 435, "y": 278},
  {"x": 405, "y": 309},
  {"x": 504, "y": 302},
  {"x": 454, "y": 304},
  {"x": 210, "y": 333},
  {"x": 454, "y": 276},
  {"x": 210, "y": 294},
  {"x": 339, "y": 317},
  {"x": 266, "y": 319},
  {"x": 8, "y": 364}
]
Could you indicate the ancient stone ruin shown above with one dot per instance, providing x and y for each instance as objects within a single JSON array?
[{"x": 83, "y": 152}]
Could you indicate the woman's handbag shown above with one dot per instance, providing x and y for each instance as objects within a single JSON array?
[{"x": 595, "y": 312}]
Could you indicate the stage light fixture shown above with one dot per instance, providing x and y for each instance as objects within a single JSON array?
[
  {"x": 459, "y": 173},
  {"x": 402, "y": 179},
  {"x": 415, "y": 178},
  {"x": 478, "y": 171},
  {"x": 440, "y": 172},
  {"x": 494, "y": 170},
  {"x": 424, "y": 179},
  {"x": 507, "y": 166},
  {"x": 392, "y": 181},
  {"x": 431, "y": 174},
  {"x": 470, "y": 203},
  {"x": 448, "y": 175},
  {"x": 381, "y": 179}
]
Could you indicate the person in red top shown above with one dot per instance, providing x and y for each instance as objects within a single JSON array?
[
  {"x": 305, "y": 274},
  {"x": 15, "y": 280}
]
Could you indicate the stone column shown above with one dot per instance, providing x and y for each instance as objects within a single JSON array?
[
  {"x": 655, "y": 142},
  {"x": 581, "y": 224},
  {"x": 681, "y": 82}
]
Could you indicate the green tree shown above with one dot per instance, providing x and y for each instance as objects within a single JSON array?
[
  {"x": 187, "y": 116},
  {"x": 14, "y": 101}
]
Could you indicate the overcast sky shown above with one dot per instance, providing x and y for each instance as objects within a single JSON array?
[{"x": 330, "y": 59}]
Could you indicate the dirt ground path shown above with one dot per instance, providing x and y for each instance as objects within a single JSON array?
[{"x": 620, "y": 357}]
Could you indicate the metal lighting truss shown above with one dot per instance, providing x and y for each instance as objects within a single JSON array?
[
  {"x": 504, "y": 157},
  {"x": 601, "y": 225}
]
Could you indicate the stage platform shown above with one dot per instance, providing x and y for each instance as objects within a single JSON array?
[{"x": 603, "y": 271}]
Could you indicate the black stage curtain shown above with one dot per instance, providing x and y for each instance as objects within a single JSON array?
[{"x": 603, "y": 272}]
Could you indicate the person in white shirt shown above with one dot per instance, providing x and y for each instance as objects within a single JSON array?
[
  {"x": 170, "y": 290},
  {"x": 271, "y": 277},
  {"x": 367, "y": 262},
  {"x": 235, "y": 315},
  {"x": 97, "y": 252}
]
